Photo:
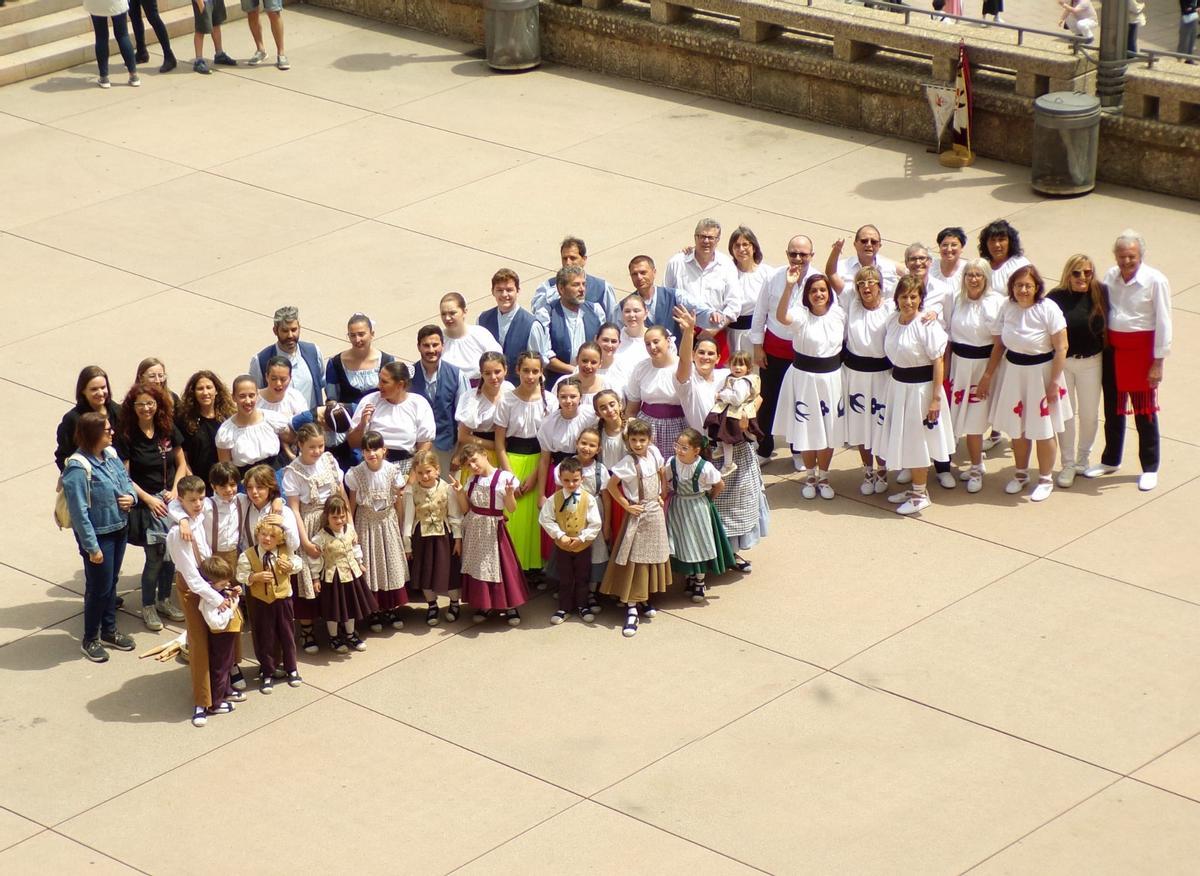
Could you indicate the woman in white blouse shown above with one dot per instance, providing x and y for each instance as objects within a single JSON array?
[
  {"x": 632, "y": 349},
  {"x": 404, "y": 419},
  {"x": 476, "y": 412},
  {"x": 652, "y": 393},
  {"x": 973, "y": 311},
  {"x": 251, "y": 436},
  {"x": 865, "y": 371},
  {"x": 944, "y": 279},
  {"x": 463, "y": 343},
  {"x": 1030, "y": 402},
  {"x": 810, "y": 413},
  {"x": 752, "y": 274}
]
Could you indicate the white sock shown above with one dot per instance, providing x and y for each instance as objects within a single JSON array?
[
  {"x": 430, "y": 596},
  {"x": 455, "y": 594},
  {"x": 332, "y": 629},
  {"x": 350, "y": 627}
]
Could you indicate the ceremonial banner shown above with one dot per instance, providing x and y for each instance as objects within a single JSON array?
[
  {"x": 941, "y": 102},
  {"x": 960, "y": 154}
]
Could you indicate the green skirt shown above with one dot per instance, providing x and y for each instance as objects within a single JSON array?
[{"x": 523, "y": 526}]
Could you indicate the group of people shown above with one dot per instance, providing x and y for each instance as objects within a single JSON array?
[
  {"x": 601, "y": 445},
  {"x": 207, "y": 15}
]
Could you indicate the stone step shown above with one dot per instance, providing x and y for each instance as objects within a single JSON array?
[
  {"x": 54, "y": 26},
  {"x": 78, "y": 48},
  {"x": 22, "y": 10}
]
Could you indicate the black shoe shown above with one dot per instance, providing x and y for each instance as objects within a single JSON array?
[
  {"x": 120, "y": 602},
  {"x": 200, "y": 66},
  {"x": 236, "y": 680},
  {"x": 118, "y": 640},
  {"x": 338, "y": 645},
  {"x": 294, "y": 679},
  {"x": 169, "y": 64},
  {"x": 354, "y": 642},
  {"x": 224, "y": 60},
  {"x": 266, "y": 684},
  {"x": 142, "y": 56},
  {"x": 431, "y": 615},
  {"x": 94, "y": 651},
  {"x": 453, "y": 610}
]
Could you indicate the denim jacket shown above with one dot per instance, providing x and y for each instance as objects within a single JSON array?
[{"x": 109, "y": 480}]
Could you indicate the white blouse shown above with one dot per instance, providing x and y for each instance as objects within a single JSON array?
[
  {"x": 940, "y": 290},
  {"x": 971, "y": 321},
  {"x": 628, "y": 354},
  {"x": 404, "y": 425},
  {"x": 698, "y": 395},
  {"x": 819, "y": 336},
  {"x": 477, "y": 412},
  {"x": 313, "y": 484},
  {"x": 650, "y": 384},
  {"x": 750, "y": 286},
  {"x": 480, "y": 496},
  {"x": 522, "y": 419},
  {"x": 612, "y": 447},
  {"x": 915, "y": 344},
  {"x": 1001, "y": 274},
  {"x": 463, "y": 353},
  {"x": 865, "y": 328},
  {"x": 1029, "y": 330},
  {"x": 710, "y": 475},
  {"x": 557, "y": 434},
  {"x": 378, "y": 490},
  {"x": 631, "y": 469},
  {"x": 291, "y": 404},
  {"x": 250, "y": 444}
]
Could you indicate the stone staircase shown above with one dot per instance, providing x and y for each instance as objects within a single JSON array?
[{"x": 42, "y": 36}]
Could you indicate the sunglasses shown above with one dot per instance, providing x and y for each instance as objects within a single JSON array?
[
  {"x": 1079, "y": 275},
  {"x": 792, "y": 254},
  {"x": 868, "y": 242}
]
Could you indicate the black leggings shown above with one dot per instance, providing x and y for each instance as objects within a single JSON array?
[
  {"x": 120, "y": 26},
  {"x": 150, "y": 7},
  {"x": 771, "y": 378}
]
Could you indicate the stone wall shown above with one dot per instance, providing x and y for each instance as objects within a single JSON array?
[{"x": 861, "y": 71}]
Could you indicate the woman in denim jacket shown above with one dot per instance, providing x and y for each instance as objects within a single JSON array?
[{"x": 99, "y": 505}]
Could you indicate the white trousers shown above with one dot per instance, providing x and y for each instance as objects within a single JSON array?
[{"x": 1082, "y": 379}]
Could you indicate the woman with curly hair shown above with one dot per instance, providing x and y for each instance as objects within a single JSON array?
[
  {"x": 205, "y": 405},
  {"x": 155, "y": 462}
]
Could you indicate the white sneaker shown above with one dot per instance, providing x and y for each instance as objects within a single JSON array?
[
  {"x": 974, "y": 480},
  {"x": 881, "y": 484},
  {"x": 1042, "y": 491},
  {"x": 1095, "y": 471},
  {"x": 257, "y": 58},
  {"x": 1148, "y": 481},
  {"x": 897, "y": 498},
  {"x": 150, "y": 618},
  {"x": 798, "y": 462},
  {"x": 915, "y": 503},
  {"x": 1019, "y": 482},
  {"x": 905, "y": 476},
  {"x": 825, "y": 490},
  {"x": 282, "y": 63},
  {"x": 867, "y": 487},
  {"x": 946, "y": 479},
  {"x": 965, "y": 474},
  {"x": 809, "y": 490},
  {"x": 1066, "y": 477},
  {"x": 990, "y": 440}
]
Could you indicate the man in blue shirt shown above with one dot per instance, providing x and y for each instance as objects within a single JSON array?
[
  {"x": 573, "y": 253},
  {"x": 509, "y": 323}
]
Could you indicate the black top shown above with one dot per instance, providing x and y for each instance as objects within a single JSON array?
[
  {"x": 65, "y": 436},
  {"x": 1085, "y": 331},
  {"x": 200, "y": 447},
  {"x": 152, "y": 460}
]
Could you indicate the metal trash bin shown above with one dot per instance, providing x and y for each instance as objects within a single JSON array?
[
  {"x": 511, "y": 34},
  {"x": 1066, "y": 137}
]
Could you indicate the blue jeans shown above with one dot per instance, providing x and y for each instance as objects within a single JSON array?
[
  {"x": 100, "y": 586},
  {"x": 120, "y": 26},
  {"x": 157, "y": 575}
]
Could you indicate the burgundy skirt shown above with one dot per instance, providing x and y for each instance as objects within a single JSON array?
[
  {"x": 342, "y": 601},
  {"x": 388, "y": 600},
  {"x": 509, "y": 592},
  {"x": 433, "y": 565},
  {"x": 306, "y": 610}
]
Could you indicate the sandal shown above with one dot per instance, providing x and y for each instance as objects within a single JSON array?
[
  {"x": 308, "y": 641},
  {"x": 631, "y": 623},
  {"x": 200, "y": 716},
  {"x": 355, "y": 643},
  {"x": 586, "y": 615},
  {"x": 513, "y": 617},
  {"x": 375, "y": 622},
  {"x": 647, "y": 610},
  {"x": 742, "y": 565},
  {"x": 558, "y": 617},
  {"x": 431, "y": 615},
  {"x": 698, "y": 592},
  {"x": 338, "y": 645},
  {"x": 452, "y": 611},
  {"x": 236, "y": 680},
  {"x": 594, "y": 604}
]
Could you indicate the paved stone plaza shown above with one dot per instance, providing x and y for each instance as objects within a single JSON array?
[{"x": 997, "y": 685}]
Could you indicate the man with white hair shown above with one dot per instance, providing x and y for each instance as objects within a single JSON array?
[
  {"x": 1139, "y": 339},
  {"x": 308, "y": 368}
]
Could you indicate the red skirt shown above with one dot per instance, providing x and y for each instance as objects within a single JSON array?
[
  {"x": 1133, "y": 354},
  {"x": 509, "y": 592}
]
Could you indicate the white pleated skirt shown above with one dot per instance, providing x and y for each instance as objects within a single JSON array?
[
  {"x": 863, "y": 396},
  {"x": 907, "y": 442},
  {"x": 1019, "y": 403},
  {"x": 969, "y": 414},
  {"x": 809, "y": 414}
]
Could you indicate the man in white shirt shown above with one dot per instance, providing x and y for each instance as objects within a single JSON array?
[
  {"x": 867, "y": 243},
  {"x": 772, "y": 341},
  {"x": 1139, "y": 339},
  {"x": 705, "y": 280}
]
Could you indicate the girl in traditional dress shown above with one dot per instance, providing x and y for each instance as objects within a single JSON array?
[
  {"x": 344, "y": 596},
  {"x": 916, "y": 430},
  {"x": 476, "y": 412},
  {"x": 517, "y": 421},
  {"x": 595, "y": 479},
  {"x": 433, "y": 536},
  {"x": 810, "y": 410},
  {"x": 492, "y": 574},
  {"x": 375, "y": 490},
  {"x": 610, "y": 414},
  {"x": 640, "y": 563},
  {"x": 698, "y": 542},
  {"x": 309, "y": 481},
  {"x": 591, "y": 380}
]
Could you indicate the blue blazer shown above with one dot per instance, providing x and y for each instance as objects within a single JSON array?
[
  {"x": 444, "y": 403},
  {"x": 664, "y": 302},
  {"x": 516, "y": 341}
]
